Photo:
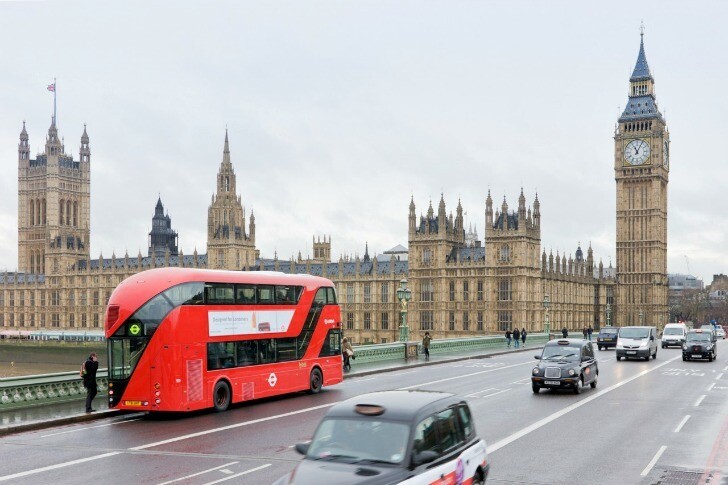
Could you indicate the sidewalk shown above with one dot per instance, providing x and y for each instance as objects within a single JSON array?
[{"x": 45, "y": 416}]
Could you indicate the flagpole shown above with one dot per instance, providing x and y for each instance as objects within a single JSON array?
[{"x": 55, "y": 89}]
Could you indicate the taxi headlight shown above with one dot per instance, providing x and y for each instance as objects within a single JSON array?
[
  {"x": 709, "y": 347},
  {"x": 572, "y": 372},
  {"x": 685, "y": 346},
  {"x": 536, "y": 370}
]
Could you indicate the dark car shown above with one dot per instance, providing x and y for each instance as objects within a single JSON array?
[
  {"x": 607, "y": 337},
  {"x": 565, "y": 364},
  {"x": 700, "y": 344},
  {"x": 416, "y": 437}
]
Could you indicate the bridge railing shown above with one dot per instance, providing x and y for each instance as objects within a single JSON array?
[{"x": 18, "y": 392}]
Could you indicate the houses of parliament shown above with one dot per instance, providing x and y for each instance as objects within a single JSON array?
[{"x": 461, "y": 286}]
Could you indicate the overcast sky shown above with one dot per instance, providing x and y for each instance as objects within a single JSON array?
[{"x": 339, "y": 112}]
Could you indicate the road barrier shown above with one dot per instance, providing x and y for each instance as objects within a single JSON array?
[{"x": 19, "y": 392}]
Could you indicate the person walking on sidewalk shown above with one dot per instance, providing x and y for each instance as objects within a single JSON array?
[
  {"x": 523, "y": 336},
  {"x": 508, "y": 338},
  {"x": 347, "y": 352},
  {"x": 589, "y": 331},
  {"x": 89, "y": 379},
  {"x": 516, "y": 337},
  {"x": 565, "y": 332},
  {"x": 584, "y": 332},
  {"x": 426, "y": 345}
]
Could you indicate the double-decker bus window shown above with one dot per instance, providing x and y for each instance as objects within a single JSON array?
[
  {"x": 247, "y": 351},
  {"x": 286, "y": 349},
  {"x": 219, "y": 294},
  {"x": 286, "y": 295},
  {"x": 186, "y": 294},
  {"x": 330, "y": 296},
  {"x": 320, "y": 298},
  {"x": 265, "y": 295},
  {"x": 220, "y": 355},
  {"x": 266, "y": 351},
  {"x": 245, "y": 294},
  {"x": 332, "y": 344}
]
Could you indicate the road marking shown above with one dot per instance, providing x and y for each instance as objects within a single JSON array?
[
  {"x": 682, "y": 423},
  {"x": 464, "y": 375},
  {"x": 478, "y": 392},
  {"x": 199, "y": 473},
  {"x": 499, "y": 392},
  {"x": 719, "y": 376},
  {"x": 90, "y": 427},
  {"x": 543, "y": 422},
  {"x": 522, "y": 381},
  {"x": 725, "y": 368},
  {"x": 700, "y": 399},
  {"x": 657, "y": 456},
  {"x": 54, "y": 467},
  {"x": 711, "y": 386},
  {"x": 240, "y": 474}
]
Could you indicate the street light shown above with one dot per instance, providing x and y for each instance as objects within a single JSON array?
[
  {"x": 609, "y": 315},
  {"x": 403, "y": 294},
  {"x": 546, "y": 305}
]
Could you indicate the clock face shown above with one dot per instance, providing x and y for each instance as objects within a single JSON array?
[
  {"x": 666, "y": 155},
  {"x": 636, "y": 152}
]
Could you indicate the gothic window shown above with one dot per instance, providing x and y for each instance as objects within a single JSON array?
[
  {"x": 350, "y": 321},
  {"x": 427, "y": 256},
  {"x": 37, "y": 212},
  {"x": 95, "y": 300},
  {"x": 505, "y": 253},
  {"x": 32, "y": 263},
  {"x": 505, "y": 290},
  {"x": 75, "y": 214},
  {"x": 68, "y": 213},
  {"x": 427, "y": 291},
  {"x": 60, "y": 213},
  {"x": 480, "y": 290},
  {"x": 44, "y": 211},
  {"x": 71, "y": 320},
  {"x": 385, "y": 292},
  {"x": 426, "y": 319},
  {"x": 31, "y": 322},
  {"x": 385, "y": 321},
  {"x": 55, "y": 265},
  {"x": 83, "y": 320},
  {"x": 21, "y": 322},
  {"x": 227, "y": 183},
  {"x": 21, "y": 294},
  {"x": 480, "y": 321},
  {"x": 452, "y": 293},
  {"x": 505, "y": 320},
  {"x": 367, "y": 292},
  {"x": 32, "y": 213},
  {"x": 367, "y": 321},
  {"x": 466, "y": 321},
  {"x": 349, "y": 293},
  {"x": 55, "y": 320},
  {"x": 96, "y": 320},
  {"x": 466, "y": 291},
  {"x": 451, "y": 321}
]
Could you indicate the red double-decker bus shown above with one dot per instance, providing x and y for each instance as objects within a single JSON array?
[{"x": 183, "y": 339}]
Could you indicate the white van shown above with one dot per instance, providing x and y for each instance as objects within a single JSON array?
[
  {"x": 674, "y": 334},
  {"x": 637, "y": 343}
]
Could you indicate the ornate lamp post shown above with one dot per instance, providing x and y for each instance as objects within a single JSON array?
[
  {"x": 609, "y": 315},
  {"x": 403, "y": 294},
  {"x": 546, "y": 305}
]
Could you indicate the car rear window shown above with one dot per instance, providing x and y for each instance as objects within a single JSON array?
[{"x": 608, "y": 331}]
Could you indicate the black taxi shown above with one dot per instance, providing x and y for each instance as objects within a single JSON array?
[
  {"x": 565, "y": 364},
  {"x": 412, "y": 437},
  {"x": 700, "y": 344}
]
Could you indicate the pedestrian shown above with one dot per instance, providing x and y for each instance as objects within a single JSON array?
[
  {"x": 564, "y": 332},
  {"x": 589, "y": 331},
  {"x": 89, "y": 369},
  {"x": 348, "y": 352},
  {"x": 584, "y": 332},
  {"x": 426, "y": 345},
  {"x": 523, "y": 336},
  {"x": 516, "y": 337},
  {"x": 508, "y": 338}
]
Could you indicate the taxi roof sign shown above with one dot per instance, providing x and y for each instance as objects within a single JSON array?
[
  {"x": 369, "y": 409},
  {"x": 563, "y": 342}
]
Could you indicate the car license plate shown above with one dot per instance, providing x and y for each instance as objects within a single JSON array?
[
  {"x": 552, "y": 383},
  {"x": 132, "y": 403},
  {"x": 696, "y": 356},
  {"x": 631, "y": 352}
]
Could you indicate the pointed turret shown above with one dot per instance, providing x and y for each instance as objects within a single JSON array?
[
  {"x": 522, "y": 206},
  {"x": 536, "y": 212},
  {"x": 23, "y": 146},
  {"x": 366, "y": 251},
  {"x": 459, "y": 223},
  {"x": 85, "y": 152},
  {"x": 641, "y": 104},
  {"x": 412, "y": 216},
  {"x": 488, "y": 214},
  {"x": 641, "y": 68}
]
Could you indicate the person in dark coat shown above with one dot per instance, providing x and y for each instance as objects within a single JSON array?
[
  {"x": 508, "y": 337},
  {"x": 523, "y": 336},
  {"x": 564, "y": 332},
  {"x": 89, "y": 379},
  {"x": 516, "y": 337},
  {"x": 426, "y": 345},
  {"x": 589, "y": 331},
  {"x": 584, "y": 332},
  {"x": 348, "y": 353}
]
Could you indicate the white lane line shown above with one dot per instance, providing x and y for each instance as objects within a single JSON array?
[
  {"x": 499, "y": 392},
  {"x": 55, "y": 467},
  {"x": 479, "y": 392},
  {"x": 725, "y": 368},
  {"x": 543, "y": 422},
  {"x": 362, "y": 380},
  {"x": 657, "y": 456},
  {"x": 199, "y": 473},
  {"x": 700, "y": 399},
  {"x": 465, "y": 375},
  {"x": 682, "y": 423},
  {"x": 522, "y": 381},
  {"x": 711, "y": 386},
  {"x": 240, "y": 474},
  {"x": 90, "y": 427},
  {"x": 719, "y": 376}
]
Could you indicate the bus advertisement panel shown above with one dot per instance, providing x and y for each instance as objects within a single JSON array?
[{"x": 183, "y": 339}]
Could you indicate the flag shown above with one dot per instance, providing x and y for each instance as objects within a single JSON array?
[{"x": 52, "y": 87}]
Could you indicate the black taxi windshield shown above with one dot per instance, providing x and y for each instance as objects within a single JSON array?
[
  {"x": 699, "y": 337},
  {"x": 360, "y": 441},
  {"x": 565, "y": 353}
]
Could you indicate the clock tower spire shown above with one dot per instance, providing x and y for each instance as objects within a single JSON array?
[{"x": 641, "y": 169}]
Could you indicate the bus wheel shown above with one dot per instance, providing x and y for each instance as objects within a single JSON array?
[
  {"x": 317, "y": 381},
  {"x": 221, "y": 396}
]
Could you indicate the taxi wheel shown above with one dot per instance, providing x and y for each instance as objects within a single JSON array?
[
  {"x": 221, "y": 396},
  {"x": 593, "y": 383},
  {"x": 579, "y": 384},
  {"x": 535, "y": 388},
  {"x": 619, "y": 357},
  {"x": 710, "y": 357},
  {"x": 317, "y": 381}
]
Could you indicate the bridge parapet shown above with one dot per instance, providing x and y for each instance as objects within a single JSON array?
[{"x": 25, "y": 391}]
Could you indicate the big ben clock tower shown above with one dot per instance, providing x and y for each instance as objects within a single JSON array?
[{"x": 641, "y": 169}]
